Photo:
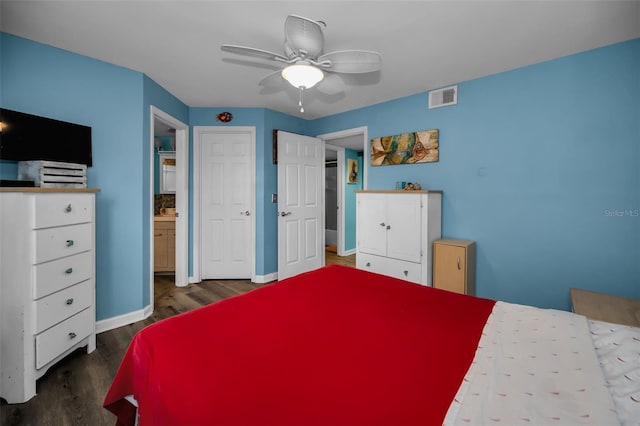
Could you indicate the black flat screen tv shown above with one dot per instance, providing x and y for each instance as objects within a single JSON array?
[{"x": 26, "y": 137}]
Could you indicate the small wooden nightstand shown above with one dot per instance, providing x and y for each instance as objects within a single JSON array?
[
  {"x": 454, "y": 265},
  {"x": 606, "y": 307}
]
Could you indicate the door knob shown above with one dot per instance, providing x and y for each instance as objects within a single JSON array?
[
  {"x": 283, "y": 214},
  {"x": 246, "y": 213}
]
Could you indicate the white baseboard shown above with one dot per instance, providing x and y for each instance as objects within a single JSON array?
[
  {"x": 349, "y": 252},
  {"x": 122, "y": 320},
  {"x": 261, "y": 279}
]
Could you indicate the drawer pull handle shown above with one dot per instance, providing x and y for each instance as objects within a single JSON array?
[
  {"x": 458, "y": 263},
  {"x": 406, "y": 273},
  {"x": 72, "y": 335},
  {"x": 69, "y": 243},
  {"x": 69, "y": 301},
  {"x": 382, "y": 224},
  {"x": 388, "y": 227},
  {"x": 68, "y": 208},
  {"x": 68, "y": 271},
  {"x": 368, "y": 263}
]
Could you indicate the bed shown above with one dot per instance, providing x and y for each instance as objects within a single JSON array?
[{"x": 341, "y": 346}]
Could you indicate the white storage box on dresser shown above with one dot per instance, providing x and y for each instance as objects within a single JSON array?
[
  {"x": 395, "y": 231},
  {"x": 47, "y": 287}
]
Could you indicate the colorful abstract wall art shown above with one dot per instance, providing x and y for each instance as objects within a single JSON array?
[{"x": 405, "y": 148}]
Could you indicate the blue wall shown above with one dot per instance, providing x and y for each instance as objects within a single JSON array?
[
  {"x": 41, "y": 80},
  {"x": 114, "y": 101},
  {"x": 539, "y": 165},
  {"x": 534, "y": 164}
]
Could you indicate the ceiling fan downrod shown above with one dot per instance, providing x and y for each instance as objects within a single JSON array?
[{"x": 301, "y": 88}]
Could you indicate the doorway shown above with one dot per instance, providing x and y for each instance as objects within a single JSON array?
[
  {"x": 337, "y": 144},
  {"x": 176, "y": 136},
  {"x": 333, "y": 200}
]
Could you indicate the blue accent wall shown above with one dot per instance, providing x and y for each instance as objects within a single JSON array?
[
  {"x": 54, "y": 83},
  {"x": 540, "y": 166},
  {"x": 114, "y": 101}
]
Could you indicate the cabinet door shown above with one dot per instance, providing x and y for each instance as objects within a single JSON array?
[
  {"x": 450, "y": 268},
  {"x": 171, "y": 249},
  {"x": 404, "y": 233},
  {"x": 372, "y": 223},
  {"x": 160, "y": 250}
]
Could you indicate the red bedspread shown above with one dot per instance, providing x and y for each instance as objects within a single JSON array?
[{"x": 336, "y": 346}]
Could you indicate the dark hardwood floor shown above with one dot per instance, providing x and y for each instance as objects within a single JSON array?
[{"x": 72, "y": 391}]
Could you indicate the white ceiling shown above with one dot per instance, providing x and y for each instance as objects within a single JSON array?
[{"x": 424, "y": 44}]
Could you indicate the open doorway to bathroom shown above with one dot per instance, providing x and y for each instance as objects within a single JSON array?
[
  {"x": 164, "y": 200},
  {"x": 168, "y": 199}
]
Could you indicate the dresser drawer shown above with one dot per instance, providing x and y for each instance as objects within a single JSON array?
[
  {"x": 52, "y": 276},
  {"x": 53, "y": 243},
  {"x": 407, "y": 271},
  {"x": 58, "y": 339},
  {"x": 59, "y": 306},
  {"x": 62, "y": 209}
]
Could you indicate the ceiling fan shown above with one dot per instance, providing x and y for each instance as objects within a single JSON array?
[{"x": 304, "y": 58}]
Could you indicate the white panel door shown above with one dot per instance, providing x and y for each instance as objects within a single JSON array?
[
  {"x": 300, "y": 204},
  {"x": 404, "y": 232},
  {"x": 225, "y": 165}
]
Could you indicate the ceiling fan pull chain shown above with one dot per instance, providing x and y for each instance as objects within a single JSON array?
[{"x": 300, "y": 101}]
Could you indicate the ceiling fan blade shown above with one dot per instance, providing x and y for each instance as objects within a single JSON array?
[
  {"x": 331, "y": 84},
  {"x": 303, "y": 34},
  {"x": 273, "y": 79},
  {"x": 252, "y": 51},
  {"x": 352, "y": 61}
]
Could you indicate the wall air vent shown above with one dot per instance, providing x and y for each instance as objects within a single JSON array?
[{"x": 443, "y": 97}]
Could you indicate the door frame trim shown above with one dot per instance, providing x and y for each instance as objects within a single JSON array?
[
  {"x": 340, "y": 179},
  {"x": 197, "y": 195},
  {"x": 328, "y": 138},
  {"x": 182, "y": 198}
]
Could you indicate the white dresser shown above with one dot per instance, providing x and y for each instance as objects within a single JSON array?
[
  {"x": 395, "y": 231},
  {"x": 47, "y": 287}
]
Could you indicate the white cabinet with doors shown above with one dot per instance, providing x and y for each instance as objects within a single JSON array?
[{"x": 395, "y": 231}]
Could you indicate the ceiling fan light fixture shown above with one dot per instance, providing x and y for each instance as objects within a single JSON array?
[{"x": 302, "y": 76}]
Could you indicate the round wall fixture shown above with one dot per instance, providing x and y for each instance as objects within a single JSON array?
[{"x": 225, "y": 117}]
